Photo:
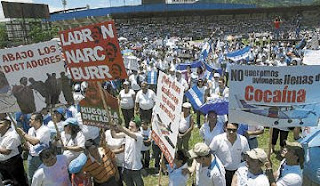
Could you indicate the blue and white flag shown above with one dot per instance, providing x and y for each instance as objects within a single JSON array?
[
  {"x": 206, "y": 49},
  {"x": 195, "y": 97},
  {"x": 152, "y": 77},
  {"x": 239, "y": 54},
  {"x": 183, "y": 66},
  {"x": 210, "y": 69}
]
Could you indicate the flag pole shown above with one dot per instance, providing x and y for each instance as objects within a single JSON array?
[{"x": 160, "y": 170}]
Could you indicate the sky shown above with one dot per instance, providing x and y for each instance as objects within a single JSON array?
[{"x": 56, "y": 5}]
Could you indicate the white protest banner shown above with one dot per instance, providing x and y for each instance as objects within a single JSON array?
[
  {"x": 36, "y": 75},
  {"x": 131, "y": 63},
  {"x": 167, "y": 115},
  {"x": 93, "y": 53},
  {"x": 311, "y": 57},
  {"x": 275, "y": 96}
]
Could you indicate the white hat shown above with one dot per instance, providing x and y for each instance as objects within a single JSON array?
[
  {"x": 199, "y": 150},
  {"x": 186, "y": 105},
  {"x": 216, "y": 75},
  {"x": 258, "y": 154}
]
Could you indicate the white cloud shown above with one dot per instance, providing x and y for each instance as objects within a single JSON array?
[{"x": 18, "y": 1}]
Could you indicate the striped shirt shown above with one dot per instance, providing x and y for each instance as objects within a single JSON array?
[{"x": 102, "y": 172}]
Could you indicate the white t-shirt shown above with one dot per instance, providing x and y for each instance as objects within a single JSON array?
[
  {"x": 184, "y": 124},
  {"x": 214, "y": 175},
  {"x": 208, "y": 135},
  {"x": 247, "y": 178},
  {"x": 225, "y": 92},
  {"x": 42, "y": 134},
  {"x": 79, "y": 140},
  {"x": 132, "y": 152},
  {"x": 230, "y": 155},
  {"x": 176, "y": 178},
  {"x": 146, "y": 101},
  {"x": 115, "y": 143},
  {"x": 126, "y": 99},
  {"x": 10, "y": 140},
  {"x": 146, "y": 134},
  {"x": 290, "y": 175},
  {"x": 52, "y": 176}
]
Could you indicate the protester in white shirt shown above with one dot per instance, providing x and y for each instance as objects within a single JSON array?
[
  {"x": 222, "y": 91},
  {"x": 211, "y": 128},
  {"x": 229, "y": 148},
  {"x": 176, "y": 177},
  {"x": 73, "y": 139},
  {"x": 185, "y": 127},
  {"x": 37, "y": 134},
  {"x": 146, "y": 146},
  {"x": 290, "y": 169},
  {"x": 208, "y": 167},
  {"x": 11, "y": 163},
  {"x": 53, "y": 170},
  {"x": 58, "y": 119},
  {"x": 251, "y": 173},
  {"x": 127, "y": 99},
  {"x": 145, "y": 100},
  {"x": 182, "y": 80},
  {"x": 132, "y": 151},
  {"x": 133, "y": 78}
]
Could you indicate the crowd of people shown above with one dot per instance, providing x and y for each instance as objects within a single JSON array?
[{"x": 59, "y": 150}]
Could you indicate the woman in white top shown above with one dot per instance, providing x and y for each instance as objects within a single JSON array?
[
  {"x": 185, "y": 127},
  {"x": 73, "y": 139},
  {"x": 126, "y": 99},
  {"x": 58, "y": 118},
  {"x": 211, "y": 128}
]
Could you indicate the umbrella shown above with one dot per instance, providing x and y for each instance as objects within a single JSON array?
[{"x": 220, "y": 106}]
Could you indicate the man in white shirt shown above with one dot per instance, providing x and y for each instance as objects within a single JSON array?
[
  {"x": 251, "y": 174},
  {"x": 209, "y": 169},
  {"x": 132, "y": 151},
  {"x": 290, "y": 169},
  {"x": 211, "y": 128},
  {"x": 11, "y": 163},
  {"x": 38, "y": 134},
  {"x": 145, "y": 100},
  {"x": 229, "y": 148},
  {"x": 53, "y": 170}
]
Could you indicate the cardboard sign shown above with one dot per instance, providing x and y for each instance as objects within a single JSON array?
[
  {"x": 36, "y": 76},
  {"x": 275, "y": 96},
  {"x": 92, "y": 53},
  {"x": 92, "y": 109},
  {"x": 311, "y": 57},
  {"x": 167, "y": 115}
]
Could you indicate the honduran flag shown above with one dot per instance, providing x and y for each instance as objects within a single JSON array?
[
  {"x": 195, "y": 97},
  {"x": 239, "y": 54},
  {"x": 210, "y": 69},
  {"x": 152, "y": 77},
  {"x": 183, "y": 66},
  {"x": 206, "y": 49}
]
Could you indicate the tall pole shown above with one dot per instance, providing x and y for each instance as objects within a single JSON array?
[{"x": 64, "y": 4}]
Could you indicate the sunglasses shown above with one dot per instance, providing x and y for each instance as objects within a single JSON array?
[{"x": 233, "y": 130}]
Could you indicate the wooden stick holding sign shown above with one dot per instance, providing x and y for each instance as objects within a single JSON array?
[
  {"x": 160, "y": 170},
  {"x": 13, "y": 122},
  {"x": 56, "y": 127},
  {"x": 105, "y": 106},
  {"x": 270, "y": 143}
]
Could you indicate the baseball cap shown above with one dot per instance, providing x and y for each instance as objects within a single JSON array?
[
  {"x": 258, "y": 154},
  {"x": 60, "y": 111},
  {"x": 199, "y": 150},
  {"x": 186, "y": 105},
  {"x": 216, "y": 75},
  {"x": 71, "y": 121},
  {"x": 40, "y": 147},
  {"x": 77, "y": 164},
  {"x": 126, "y": 83}
]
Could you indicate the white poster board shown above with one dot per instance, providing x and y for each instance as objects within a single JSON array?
[
  {"x": 311, "y": 57},
  {"x": 167, "y": 115},
  {"x": 36, "y": 75},
  {"x": 275, "y": 96}
]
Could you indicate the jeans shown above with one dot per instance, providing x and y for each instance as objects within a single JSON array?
[
  {"x": 145, "y": 158},
  {"x": 33, "y": 165},
  {"x": 133, "y": 177},
  {"x": 127, "y": 116},
  {"x": 156, "y": 154},
  {"x": 253, "y": 143}
]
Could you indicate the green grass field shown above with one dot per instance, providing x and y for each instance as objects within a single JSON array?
[{"x": 152, "y": 179}]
